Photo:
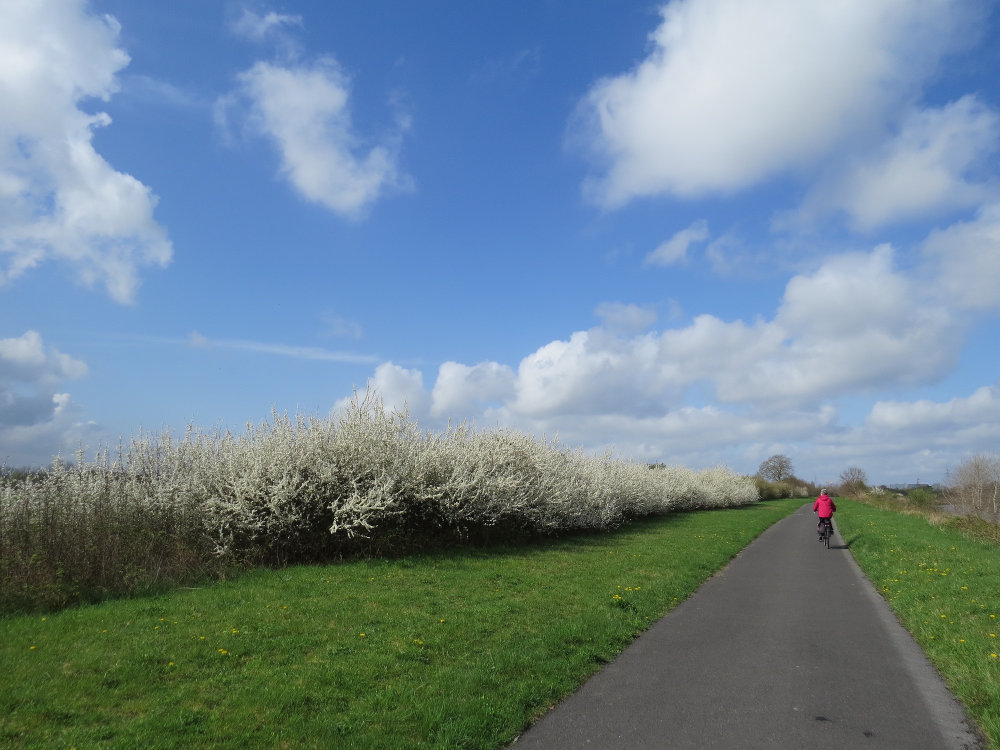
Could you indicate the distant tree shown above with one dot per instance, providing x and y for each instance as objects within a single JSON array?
[
  {"x": 976, "y": 484},
  {"x": 853, "y": 481},
  {"x": 776, "y": 468}
]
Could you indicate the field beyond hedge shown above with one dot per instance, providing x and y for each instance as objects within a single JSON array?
[{"x": 452, "y": 649}]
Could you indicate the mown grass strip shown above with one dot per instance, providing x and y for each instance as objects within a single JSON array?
[
  {"x": 459, "y": 649},
  {"x": 943, "y": 586}
]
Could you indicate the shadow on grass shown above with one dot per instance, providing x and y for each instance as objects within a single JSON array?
[
  {"x": 847, "y": 543},
  {"x": 409, "y": 549}
]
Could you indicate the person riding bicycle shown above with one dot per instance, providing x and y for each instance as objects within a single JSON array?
[{"x": 824, "y": 507}]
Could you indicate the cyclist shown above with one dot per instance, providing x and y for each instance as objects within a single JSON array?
[{"x": 824, "y": 507}]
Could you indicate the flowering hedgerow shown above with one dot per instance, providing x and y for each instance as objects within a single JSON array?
[{"x": 312, "y": 488}]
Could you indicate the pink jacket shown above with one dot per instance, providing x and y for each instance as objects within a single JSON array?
[{"x": 824, "y": 506}]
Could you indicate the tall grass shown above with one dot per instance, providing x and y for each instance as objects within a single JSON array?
[{"x": 162, "y": 511}]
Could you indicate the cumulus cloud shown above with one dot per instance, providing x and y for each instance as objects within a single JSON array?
[
  {"x": 304, "y": 110},
  {"x": 734, "y": 92},
  {"x": 928, "y": 168},
  {"x": 34, "y": 414},
  {"x": 675, "y": 249},
  {"x": 399, "y": 388},
  {"x": 980, "y": 409},
  {"x": 460, "y": 390},
  {"x": 713, "y": 389},
  {"x": 59, "y": 199},
  {"x": 856, "y": 323},
  {"x": 965, "y": 258}
]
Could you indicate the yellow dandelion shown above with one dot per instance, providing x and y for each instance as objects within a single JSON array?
[
  {"x": 223, "y": 651},
  {"x": 31, "y": 648},
  {"x": 170, "y": 664},
  {"x": 361, "y": 635}
]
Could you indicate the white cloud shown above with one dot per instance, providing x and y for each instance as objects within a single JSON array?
[
  {"x": 966, "y": 260},
  {"x": 59, "y": 198},
  {"x": 26, "y": 360},
  {"x": 925, "y": 170},
  {"x": 258, "y": 26},
  {"x": 34, "y": 416},
  {"x": 716, "y": 390},
  {"x": 400, "y": 388},
  {"x": 304, "y": 110},
  {"x": 734, "y": 92},
  {"x": 856, "y": 324},
  {"x": 622, "y": 318},
  {"x": 980, "y": 409},
  {"x": 675, "y": 249},
  {"x": 459, "y": 388}
]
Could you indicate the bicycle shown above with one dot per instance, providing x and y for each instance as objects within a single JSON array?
[{"x": 826, "y": 531}]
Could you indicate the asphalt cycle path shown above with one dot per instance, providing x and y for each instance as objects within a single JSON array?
[{"x": 789, "y": 646}]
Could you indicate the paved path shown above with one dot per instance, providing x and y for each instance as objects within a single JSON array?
[{"x": 788, "y": 647}]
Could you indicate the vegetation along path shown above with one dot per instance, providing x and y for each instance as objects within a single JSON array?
[{"x": 789, "y": 646}]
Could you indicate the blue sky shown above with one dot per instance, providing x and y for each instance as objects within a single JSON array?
[{"x": 698, "y": 232}]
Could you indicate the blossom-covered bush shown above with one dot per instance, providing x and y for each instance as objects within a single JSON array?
[{"x": 311, "y": 489}]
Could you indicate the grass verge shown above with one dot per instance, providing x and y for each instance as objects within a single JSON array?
[
  {"x": 942, "y": 584},
  {"x": 459, "y": 649}
]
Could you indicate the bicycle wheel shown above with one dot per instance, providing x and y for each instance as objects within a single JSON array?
[{"x": 828, "y": 532}]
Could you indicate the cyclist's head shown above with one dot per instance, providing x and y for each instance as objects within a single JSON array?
[{"x": 822, "y": 492}]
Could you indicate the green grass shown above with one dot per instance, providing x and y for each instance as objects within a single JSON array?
[
  {"x": 458, "y": 649},
  {"x": 944, "y": 586}
]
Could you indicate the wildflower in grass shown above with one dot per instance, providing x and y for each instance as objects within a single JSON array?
[
  {"x": 31, "y": 648},
  {"x": 223, "y": 651},
  {"x": 361, "y": 635}
]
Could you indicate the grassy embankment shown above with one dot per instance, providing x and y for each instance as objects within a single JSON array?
[
  {"x": 457, "y": 649},
  {"x": 943, "y": 581}
]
